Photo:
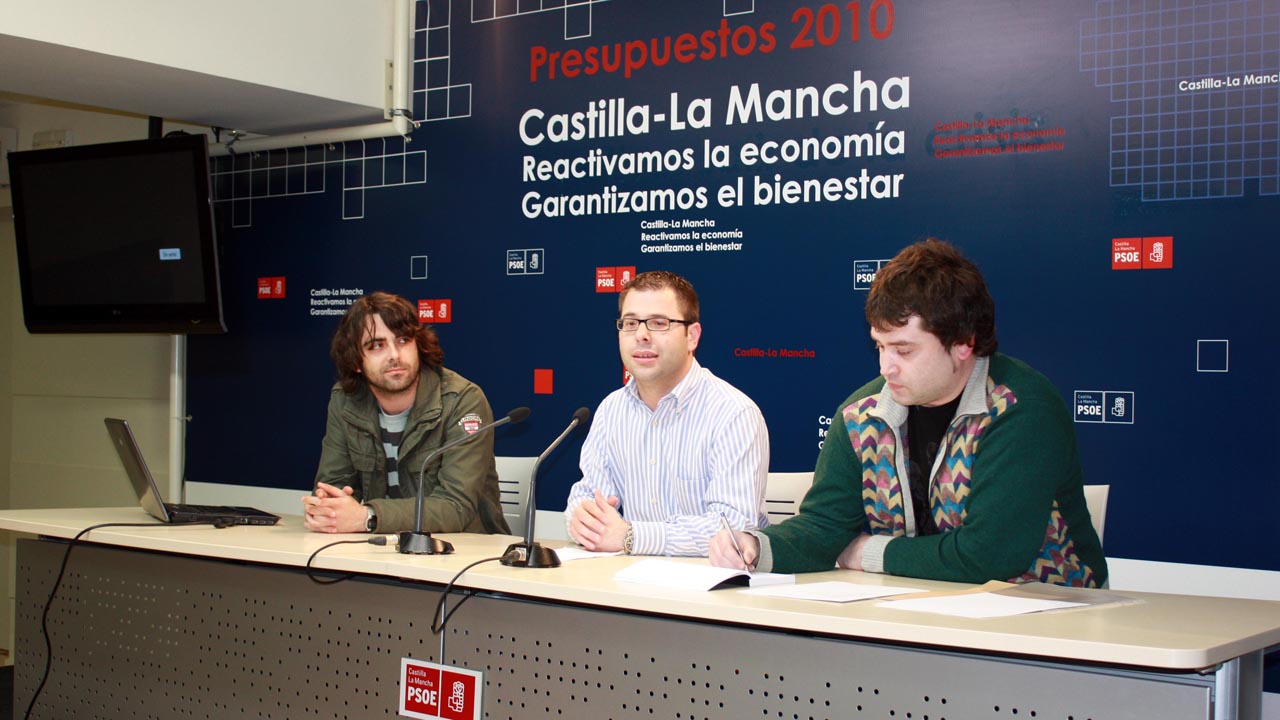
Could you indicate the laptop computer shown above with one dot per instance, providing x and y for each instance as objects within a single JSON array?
[{"x": 149, "y": 495}]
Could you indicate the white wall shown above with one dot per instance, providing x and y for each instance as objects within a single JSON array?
[
  {"x": 334, "y": 49},
  {"x": 56, "y": 389}
]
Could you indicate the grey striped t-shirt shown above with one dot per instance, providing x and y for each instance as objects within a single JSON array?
[{"x": 392, "y": 428}]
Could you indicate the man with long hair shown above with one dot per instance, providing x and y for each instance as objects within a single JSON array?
[
  {"x": 395, "y": 403},
  {"x": 957, "y": 463}
]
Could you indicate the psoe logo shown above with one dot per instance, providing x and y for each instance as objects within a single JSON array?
[
  {"x": 528, "y": 261},
  {"x": 864, "y": 273},
  {"x": 1142, "y": 253},
  {"x": 1157, "y": 253},
  {"x": 458, "y": 696},
  {"x": 1126, "y": 253},
  {"x": 440, "y": 692},
  {"x": 270, "y": 288},
  {"x": 1104, "y": 406},
  {"x": 613, "y": 279},
  {"x": 1088, "y": 406},
  {"x": 435, "y": 311},
  {"x": 1118, "y": 405}
]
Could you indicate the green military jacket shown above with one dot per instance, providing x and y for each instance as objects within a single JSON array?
[{"x": 461, "y": 484}]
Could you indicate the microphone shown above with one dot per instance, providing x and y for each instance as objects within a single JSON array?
[
  {"x": 530, "y": 553},
  {"x": 417, "y": 542}
]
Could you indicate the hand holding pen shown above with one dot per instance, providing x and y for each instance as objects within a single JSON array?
[{"x": 732, "y": 549}]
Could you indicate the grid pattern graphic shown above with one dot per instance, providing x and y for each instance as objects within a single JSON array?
[
  {"x": 380, "y": 163},
  {"x": 437, "y": 96},
  {"x": 577, "y": 13},
  {"x": 363, "y": 164},
  {"x": 1196, "y": 84}
]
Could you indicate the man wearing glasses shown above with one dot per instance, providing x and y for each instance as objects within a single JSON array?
[{"x": 676, "y": 451}]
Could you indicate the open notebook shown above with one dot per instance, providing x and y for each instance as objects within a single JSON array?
[
  {"x": 695, "y": 576},
  {"x": 149, "y": 495}
]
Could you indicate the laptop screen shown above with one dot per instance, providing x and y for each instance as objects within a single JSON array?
[{"x": 136, "y": 468}]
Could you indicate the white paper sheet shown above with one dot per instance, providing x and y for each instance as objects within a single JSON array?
[
  {"x": 977, "y": 605},
  {"x": 692, "y": 576},
  {"x": 576, "y": 553},
  {"x": 831, "y": 591}
]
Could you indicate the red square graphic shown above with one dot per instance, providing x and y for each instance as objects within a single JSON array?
[
  {"x": 1126, "y": 253},
  {"x": 270, "y": 288},
  {"x": 544, "y": 380},
  {"x": 422, "y": 689},
  {"x": 624, "y": 275},
  {"x": 606, "y": 280},
  {"x": 458, "y": 696},
  {"x": 435, "y": 311},
  {"x": 1157, "y": 253}
]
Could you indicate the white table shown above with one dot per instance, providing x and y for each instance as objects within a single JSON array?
[{"x": 223, "y": 619}]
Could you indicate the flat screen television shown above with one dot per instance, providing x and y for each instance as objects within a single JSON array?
[{"x": 117, "y": 238}]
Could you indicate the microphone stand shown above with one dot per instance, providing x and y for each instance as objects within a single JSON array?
[
  {"x": 417, "y": 542},
  {"x": 529, "y": 553}
]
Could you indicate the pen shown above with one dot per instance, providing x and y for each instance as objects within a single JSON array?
[{"x": 724, "y": 522}]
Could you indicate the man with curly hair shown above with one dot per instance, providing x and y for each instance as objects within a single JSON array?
[
  {"x": 395, "y": 403},
  {"x": 957, "y": 463}
]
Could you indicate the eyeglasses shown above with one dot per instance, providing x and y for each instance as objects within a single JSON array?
[{"x": 653, "y": 324}]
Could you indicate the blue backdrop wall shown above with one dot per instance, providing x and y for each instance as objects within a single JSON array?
[{"x": 1111, "y": 166}]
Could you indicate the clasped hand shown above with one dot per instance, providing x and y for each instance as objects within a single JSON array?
[
  {"x": 597, "y": 525},
  {"x": 333, "y": 510}
]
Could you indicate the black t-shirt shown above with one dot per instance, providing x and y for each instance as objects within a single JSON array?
[{"x": 926, "y": 427}]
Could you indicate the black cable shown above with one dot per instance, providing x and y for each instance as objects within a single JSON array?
[
  {"x": 44, "y": 616},
  {"x": 437, "y": 623},
  {"x": 379, "y": 540}
]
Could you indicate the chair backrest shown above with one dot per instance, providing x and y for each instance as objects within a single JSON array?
[
  {"x": 1095, "y": 498},
  {"x": 783, "y": 493},
  {"x": 514, "y": 474}
]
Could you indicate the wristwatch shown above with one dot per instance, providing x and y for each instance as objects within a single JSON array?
[
  {"x": 371, "y": 519},
  {"x": 629, "y": 540}
]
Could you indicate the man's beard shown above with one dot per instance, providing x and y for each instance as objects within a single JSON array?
[{"x": 388, "y": 387}]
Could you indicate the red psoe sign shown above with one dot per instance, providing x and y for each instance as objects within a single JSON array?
[
  {"x": 439, "y": 692},
  {"x": 435, "y": 312},
  {"x": 614, "y": 279},
  {"x": 270, "y": 288}
]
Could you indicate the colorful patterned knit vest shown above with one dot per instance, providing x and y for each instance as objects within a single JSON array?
[{"x": 882, "y": 498}]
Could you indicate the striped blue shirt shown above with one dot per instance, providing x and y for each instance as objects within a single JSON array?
[{"x": 704, "y": 451}]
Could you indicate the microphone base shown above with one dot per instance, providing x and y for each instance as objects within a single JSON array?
[
  {"x": 421, "y": 543},
  {"x": 530, "y": 555}
]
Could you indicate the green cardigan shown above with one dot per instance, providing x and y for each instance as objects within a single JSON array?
[{"x": 1007, "y": 489}]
